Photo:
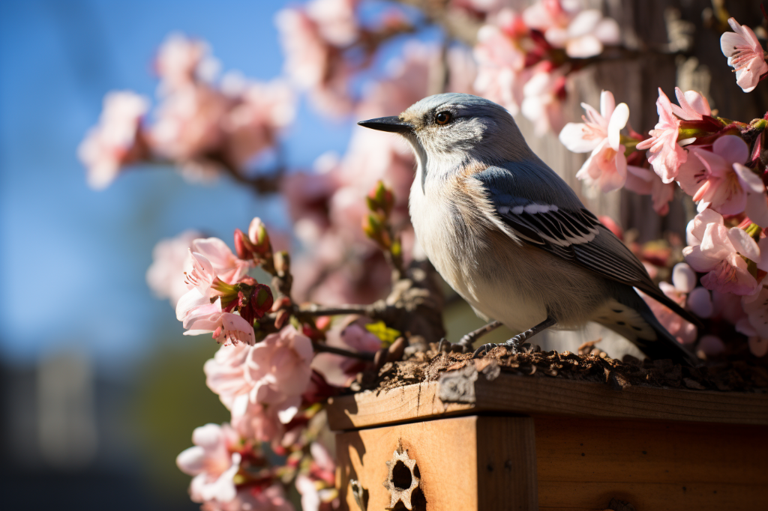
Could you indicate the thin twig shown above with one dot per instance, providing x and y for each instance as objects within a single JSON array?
[
  {"x": 361, "y": 355},
  {"x": 319, "y": 310}
]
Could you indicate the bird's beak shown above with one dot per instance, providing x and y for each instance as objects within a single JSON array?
[{"x": 393, "y": 124}]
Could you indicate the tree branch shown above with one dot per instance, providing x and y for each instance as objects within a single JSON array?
[{"x": 360, "y": 355}]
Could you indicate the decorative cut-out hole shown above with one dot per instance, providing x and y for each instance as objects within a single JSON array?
[{"x": 401, "y": 476}]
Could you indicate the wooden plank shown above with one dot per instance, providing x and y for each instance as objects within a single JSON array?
[
  {"x": 584, "y": 463},
  {"x": 469, "y": 463},
  {"x": 547, "y": 396}
]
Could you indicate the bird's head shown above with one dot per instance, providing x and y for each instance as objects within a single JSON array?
[{"x": 452, "y": 130}]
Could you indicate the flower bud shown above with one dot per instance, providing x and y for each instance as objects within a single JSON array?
[
  {"x": 261, "y": 300},
  {"x": 374, "y": 228},
  {"x": 243, "y": 246},
  {"x": 381, "y": 199},
  {"x": 259, "y": 238},
  {"x": 282, "y": 318},
  {"x": 282, "y": 263}
]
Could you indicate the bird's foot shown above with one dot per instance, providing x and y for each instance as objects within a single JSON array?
[
  {"x": 514, "y": 345},
  {"x": 446, "y": 347}
]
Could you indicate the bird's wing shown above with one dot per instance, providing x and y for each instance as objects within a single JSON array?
[{"x": 554, "y": 220}]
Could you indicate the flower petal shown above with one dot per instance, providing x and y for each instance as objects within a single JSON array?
[
  {"x": 616, "y": 124},
  {"x": 573, "y": 137}
]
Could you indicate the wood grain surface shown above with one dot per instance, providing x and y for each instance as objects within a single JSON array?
[
  {"x": 538, "y": 396},
  {"x": 468, "y": 463}
]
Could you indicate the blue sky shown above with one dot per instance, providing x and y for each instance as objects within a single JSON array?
[{"x": 73, "y": 260}]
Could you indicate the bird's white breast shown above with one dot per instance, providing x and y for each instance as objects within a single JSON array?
[{"x": 459, "y": 239}]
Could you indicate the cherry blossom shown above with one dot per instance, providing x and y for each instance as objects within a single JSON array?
[
  {"x": 755, "y": 323},
  {"x": 317, "y": 488},
  {"x": 225, "y": 265},
  {"x": 664, "y": 153},
  {"x": 225, "y": 373},
  {"x": 645, "y": 182},
  {"x": 543, "y": 99},
  {"x": 212, "y": 462},
  {"x": 710, "y": 345},
  {"x": 252, "y": 125},
  {"x": 336, "y": 369},
  {"x": 683, "y": 283},
  {"x": 501, "y": 60},
  {"x": 336, "y": 20},
  {"x": 585, "y": 34},
  {"x": 165, "y": 275},
  {"x": 117, "y": 140},
  {"x": 189, "y": 123},
  {"x": 262, "y": 385},
  {"x": 600, "y": 134},
  {"x": 182, "y": 61},
  {"x": 717, "y": 251},
  {"x": 312, "y": 62},
  {"x": 745, "y": 55},
  {"x": 718, "y": 179}
]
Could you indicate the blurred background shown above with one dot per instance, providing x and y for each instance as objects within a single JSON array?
[{"x": 99, "y": 390}]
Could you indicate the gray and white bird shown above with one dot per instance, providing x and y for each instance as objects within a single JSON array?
[{"x": 511, "y": 237}]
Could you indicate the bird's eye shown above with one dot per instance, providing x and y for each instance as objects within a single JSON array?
[{"x": 443, "y": 118}]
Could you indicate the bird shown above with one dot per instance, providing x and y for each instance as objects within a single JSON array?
[{"x": 509, "y": 235}]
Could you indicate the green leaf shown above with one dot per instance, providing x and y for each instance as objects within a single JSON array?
[{"x": 383, "y": 332}]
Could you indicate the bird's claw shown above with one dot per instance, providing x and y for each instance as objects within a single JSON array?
[
  {"x": 483, "y": 350},
  {"x": 513, "y": 346},
  {"x": 446, "y": 347}
]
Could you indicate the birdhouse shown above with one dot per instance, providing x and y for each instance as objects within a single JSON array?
[{"x": 490, "y": 440}]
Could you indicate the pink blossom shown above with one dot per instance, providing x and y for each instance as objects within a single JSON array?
[
  {"x": 279, "y": 367},
  {"x": 182, "y": 61},
  {"x": 317, "y": 488},
  {"x": 700, "y": 302},
  {"x": 745, "y": 55},
  {"x": 710, "y": 345},
  {"x": 189, "y": 123},
  {"x": 664, "y": 153},
  {"x": 116, "y": 141},
  {"x": 718, "y": 251},
  {"x": 546, "y": 14},
  {"x": 252, "y": 125},
  {"x": 682, "y": 330},
  {"x": 585, "y": 34},
  {"x": 644, "y": 182},
  {"x": 225, "y": 373},
  {"x": 253, "y": 498},
  {"x": 683, "y": 282},
  {"x": 600, "y": 133},
  {"x": 336, "y": 369},
  {"x": 312, "y": 62},
  {"x": 693, "y": 105},
  {"x": 755, "y": 322},
  {"x": 756, "y": 308},
  {"x": 212, "y": 462},
  {"x": 165, "y": 276},
  {"x": 718, "y": 179},
  {"x": 225, "y": 265},
  {"x": 262, "y": 385},
  {"x": 226, "y": 327},
  {"x": 199, "y": 314},
  {"x": 336, "y": 20},
  {"x": 501, "y": 61},
  {"x": 543, "y": 102}
]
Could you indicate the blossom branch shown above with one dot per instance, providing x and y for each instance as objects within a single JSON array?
[{"x": 324, "y": 348}]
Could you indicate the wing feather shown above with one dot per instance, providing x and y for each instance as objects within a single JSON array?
[{"x": 575, "y": 234}]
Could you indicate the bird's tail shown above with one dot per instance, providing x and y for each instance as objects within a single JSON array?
[{"x": 629, "y": 316}]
